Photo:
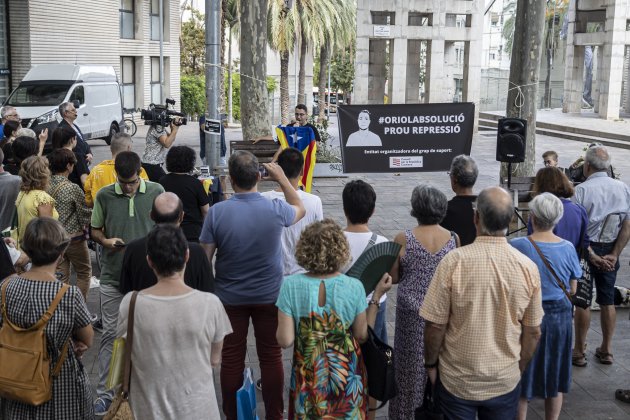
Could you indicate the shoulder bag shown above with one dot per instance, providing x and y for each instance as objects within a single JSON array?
[
  {"x": 551, "y": 270},
  {"x": 120, "y": 408},
  {"x": 379, "y": 364}
]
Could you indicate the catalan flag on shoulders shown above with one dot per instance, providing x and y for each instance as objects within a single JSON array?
[{"x": 303, "y": 139}]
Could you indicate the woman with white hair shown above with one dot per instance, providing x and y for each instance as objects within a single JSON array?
[{"x": 548, "y": 375}]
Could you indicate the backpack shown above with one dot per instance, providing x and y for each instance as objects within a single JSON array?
[{"x": 25, "y": 373}]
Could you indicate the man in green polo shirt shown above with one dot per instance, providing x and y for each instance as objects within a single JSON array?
[{"x": 121, "y": 214}]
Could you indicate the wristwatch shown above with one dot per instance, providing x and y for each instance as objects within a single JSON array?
[{"x": 374, "y": 302}]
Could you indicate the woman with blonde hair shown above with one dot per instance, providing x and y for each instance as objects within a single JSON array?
[
  {"x": 325, "y": 313},
  {"x": 33, "y": 200}
]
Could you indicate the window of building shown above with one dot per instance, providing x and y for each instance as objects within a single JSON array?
[
  {"x": 383, "y": 18},
  {"x": 458, "y": 21},
  {"x": 420, "y": 19},
  {"x": 155, "y": 80},
  {"x": 128, "y": 72},
  {"x": 155, "y": 20},
  {"x": 493, "y": 56},
  {"x": 126, "y": 19}
]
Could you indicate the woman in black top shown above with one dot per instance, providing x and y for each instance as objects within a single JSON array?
[
  {"x": 180, "y": 162},
  {"x": 9, "y": 130},
  {"x": 64, "y": 137}
]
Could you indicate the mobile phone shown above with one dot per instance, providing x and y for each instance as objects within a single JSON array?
[
  {"x": 120, "y": 244},
  {"x": 263, "y": 171}
]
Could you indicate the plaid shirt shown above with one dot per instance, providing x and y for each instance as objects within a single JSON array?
[
  {"x": 74, "y": 215},
  {"x": 483, "y": 293}
]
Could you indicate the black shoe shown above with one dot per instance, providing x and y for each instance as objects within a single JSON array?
[
  {"x": 259, "y": 384},
  {"x": 97, "y": 324}
]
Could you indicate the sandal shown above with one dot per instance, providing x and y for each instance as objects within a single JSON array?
[
  {"x": 623, "y": 395},
  {"x": 603, "y": 357},
  {"x": 579, "y": 360}
]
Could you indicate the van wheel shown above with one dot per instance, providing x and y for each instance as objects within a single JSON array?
[{"x": 113, "y": 129}]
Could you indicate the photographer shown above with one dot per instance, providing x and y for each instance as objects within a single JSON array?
[{"x": 158, "y": 141}]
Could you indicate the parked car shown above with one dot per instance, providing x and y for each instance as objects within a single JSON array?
[{"x": 93, "y": 89}]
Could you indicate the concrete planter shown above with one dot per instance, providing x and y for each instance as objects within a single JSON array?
[{"x": 328, "y": 170}]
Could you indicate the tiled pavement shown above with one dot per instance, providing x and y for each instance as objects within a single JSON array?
[{"x": 592, "y": 393}]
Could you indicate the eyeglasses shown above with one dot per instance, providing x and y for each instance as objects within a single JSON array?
[
  {"x": 297, "y": 114},
  {"x": 128, "y": 183}
]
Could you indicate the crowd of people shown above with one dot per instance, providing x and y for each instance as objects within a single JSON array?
[{"x": 486, "y": 322}]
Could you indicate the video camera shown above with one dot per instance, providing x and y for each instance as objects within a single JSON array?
[{"x": 160, "y": 114}]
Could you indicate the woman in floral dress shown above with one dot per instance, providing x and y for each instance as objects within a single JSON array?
[
  {"x": 423, "y": 247},
  {"x": 324, "y": 312}
]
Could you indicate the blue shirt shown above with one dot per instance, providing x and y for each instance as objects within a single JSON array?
[
  {"x": 572, "y": 226},
  {"x": 601, "y": 196},
  {"x": 561, "y": 257},
  {"x": 246, "y": 230}
]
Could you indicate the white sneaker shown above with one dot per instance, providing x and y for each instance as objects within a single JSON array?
[{"x": 94, "y": 282}]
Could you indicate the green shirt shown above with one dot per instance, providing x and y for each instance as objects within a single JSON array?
[{"x": 124, "y": 217}]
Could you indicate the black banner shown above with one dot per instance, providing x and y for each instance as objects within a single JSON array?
[{"x": 404, "y": 138}]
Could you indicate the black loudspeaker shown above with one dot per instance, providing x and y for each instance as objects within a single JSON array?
[{"x": 511, "y": 134}]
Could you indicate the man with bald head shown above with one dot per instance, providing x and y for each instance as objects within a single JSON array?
[
  {"x": 136, "y": 273},
  {"x": 607, "y": 204},
  {"x": 483, "y": 312}
]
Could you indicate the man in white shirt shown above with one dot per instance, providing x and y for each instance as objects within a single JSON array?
[{"x": 292, "y": 163}]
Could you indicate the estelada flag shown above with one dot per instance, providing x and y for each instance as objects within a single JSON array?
[{"x": 303, "y": 139}]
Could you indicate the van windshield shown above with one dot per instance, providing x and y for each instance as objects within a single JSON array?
[{"x": 39, "y": 94}]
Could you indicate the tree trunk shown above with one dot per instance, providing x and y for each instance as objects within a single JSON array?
[
  {"x": 224, "y": 25},
  {"x": 230, "y": 89},
  {"x": 301, "y": 98},
  {"x": 524, "y": 72},
  {"x": 254, "y": 96},
  {"x": 323, "y": 65},
  {"x": 547, "y": 97},
  {"x": 284, "y": 87}
]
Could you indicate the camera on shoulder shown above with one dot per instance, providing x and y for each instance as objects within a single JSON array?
[{"x": 162, "y": 115}]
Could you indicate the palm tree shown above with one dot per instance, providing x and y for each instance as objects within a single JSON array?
[
  {"x": 281, "y": 30},
  {"x": 254, "y": 95}
]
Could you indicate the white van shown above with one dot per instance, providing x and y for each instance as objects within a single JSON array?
[{"x": 94, "y": 89}]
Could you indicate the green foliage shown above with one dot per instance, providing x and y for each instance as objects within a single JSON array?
[
  {"x": 193, "y": 90},
  {"x": 236, "y": 92},
  {"x": 342, "y": 75},
  {"x": 193, "y": 44},
  {"x": 325, "y": 152}
]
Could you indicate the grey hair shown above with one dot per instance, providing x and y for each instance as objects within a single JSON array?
[
  {"x": 5, "y": 111},
  {"x": 598, "y": 157},
  {"x": 494, "y": 215},
  {"x": 428, "y": 205},
  {"x": 120, "y": 143},
  {"x": 27, "y": 132},
  {"x": 464, "y": 170},
  {"x": 547, "y": 210},
  {"x": 63, "y": 108}
]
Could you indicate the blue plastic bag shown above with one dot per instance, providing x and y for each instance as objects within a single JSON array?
[{"x": 246, "y": 398}]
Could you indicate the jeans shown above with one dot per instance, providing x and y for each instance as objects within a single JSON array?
[
  {"x": 604, "y": 280},
  {"x": 110, "y": 306},
  {"x": 380, "y": 325},
  {"x": 503, "y": 407},
  {"x": 265, "y": 320},
  {"x": 78, "y": 255}
]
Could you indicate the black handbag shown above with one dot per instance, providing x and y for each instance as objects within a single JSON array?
[
  {"x": 429, "y": 409},
  {"x": 584, "y": 293},
  {"x": 379, "y": 363}
]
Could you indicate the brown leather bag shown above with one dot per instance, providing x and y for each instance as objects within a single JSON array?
[
  {"x": 120, "y": 408},
  {"x": 25, "y": 373}
]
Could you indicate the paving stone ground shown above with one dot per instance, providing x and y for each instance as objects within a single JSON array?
[{"x": 592, "y": 393}]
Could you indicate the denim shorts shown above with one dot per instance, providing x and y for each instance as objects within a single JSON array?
[{"x": 604, "y": 280}]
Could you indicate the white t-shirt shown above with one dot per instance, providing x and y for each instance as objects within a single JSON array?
[
  {"x": 358, "y": 241},
  {"x": 171, "y": 376},
  {"x": 291, "y": 234}
]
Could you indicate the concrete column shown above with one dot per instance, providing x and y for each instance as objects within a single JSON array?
[
  {"x": 412, "y": 90},
  {"x": 398, "y": 70},
  {"x": 573, "y": 78},
  {"x": 627, "y": 79},
  {"x": 471, "y": 89},
  {"x": 436, "y": 91},
  {"x": 610, "y": 78},
  {"x": 361, "y": 71},
  {"x": 597, "y": 77},
  {"x": 377, "y": 72}
]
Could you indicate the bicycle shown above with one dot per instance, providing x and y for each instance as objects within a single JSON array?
[{"x": 130, "y": 124}]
